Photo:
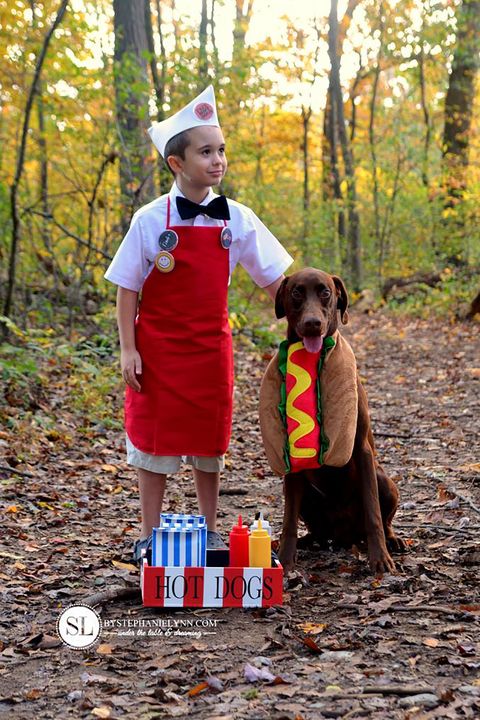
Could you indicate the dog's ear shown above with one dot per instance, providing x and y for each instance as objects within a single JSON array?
[
  {"x": 342, "y": 301},
  {"x": 280, "y": 299}
]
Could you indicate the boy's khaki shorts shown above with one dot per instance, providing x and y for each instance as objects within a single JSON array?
[{"x": 167, "y": 464}]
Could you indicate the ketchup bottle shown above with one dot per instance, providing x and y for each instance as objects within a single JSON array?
[{"x": 239, "y": 545}]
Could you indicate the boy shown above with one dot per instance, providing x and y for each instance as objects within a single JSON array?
[{"x": 176, "y": 354}]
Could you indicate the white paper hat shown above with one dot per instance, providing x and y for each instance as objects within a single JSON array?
[{"x": 202, "y": 110}]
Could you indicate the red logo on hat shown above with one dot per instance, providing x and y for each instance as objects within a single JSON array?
[{"x": 203, "y": 111}]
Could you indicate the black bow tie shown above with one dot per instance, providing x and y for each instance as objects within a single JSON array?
[{"x": 217, "y": 209}]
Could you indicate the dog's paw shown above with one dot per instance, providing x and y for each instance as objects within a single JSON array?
[
  {"x": 380, "y": 562},
  {"x": 396, "y": 545},
  {"x": 294, "y": 580}
]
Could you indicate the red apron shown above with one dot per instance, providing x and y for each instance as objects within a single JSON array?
[{"x": 183, "y": 337}]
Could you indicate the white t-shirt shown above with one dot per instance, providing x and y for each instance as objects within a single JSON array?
[{"x": 253, "y": 245}]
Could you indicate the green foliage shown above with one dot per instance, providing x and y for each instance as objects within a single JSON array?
[
  {"x": 55, "y": 380},
  {"x": 449, "y": 299},
  {"x": 251, "y": 314},
  {"x": 19, "y": 373},
  {"x": 262, "y": 90}
]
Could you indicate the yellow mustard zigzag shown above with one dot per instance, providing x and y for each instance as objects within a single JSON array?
[{"x": 305, "y": 423}]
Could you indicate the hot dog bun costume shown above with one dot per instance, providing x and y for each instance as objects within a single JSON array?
[
  {"x": 181, "y": 269},
  {"x": 309, "y": 406}
]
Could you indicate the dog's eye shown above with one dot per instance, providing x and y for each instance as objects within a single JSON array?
[
  {"x": 325, "y": 293},
  {"x": 297, "y": 294}
]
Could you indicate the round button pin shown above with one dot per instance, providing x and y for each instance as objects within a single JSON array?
[
  {"x": 226, "y": 237},
  {"x": 164, "y": 261},
  {"x": 168, "y": 240}
]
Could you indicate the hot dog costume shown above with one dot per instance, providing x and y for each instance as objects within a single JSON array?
[
  {"x": 181, "y": 268},
  {"x": 309, "y": 406}
]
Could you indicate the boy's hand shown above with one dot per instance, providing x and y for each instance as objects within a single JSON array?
[{"x": 131, "y": 365}]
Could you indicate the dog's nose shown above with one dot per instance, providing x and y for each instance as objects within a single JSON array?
[{"x": 312, "y": 324}]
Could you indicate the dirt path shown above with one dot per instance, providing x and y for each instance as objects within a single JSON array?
[{"x": 344, "y": 646}]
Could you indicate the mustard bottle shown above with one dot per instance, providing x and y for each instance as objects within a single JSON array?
[{"x": 260, "y": 547}]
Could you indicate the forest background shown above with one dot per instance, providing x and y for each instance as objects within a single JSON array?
[
  {"x": 354, "y": 135},
  {"x": 351, "y": 132}
]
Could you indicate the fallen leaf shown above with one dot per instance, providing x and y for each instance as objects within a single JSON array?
[
  {"x": 215, "y": 683},
  {"x": 49, "y": 641},
  {"x": 104, "y": 649},
  {"x": 102, "y": 712},
  {"x": 197, "y": 689},
  {"x": 473, "y": 467},
  {"x": 444, "y": 494},
  {"x": 43, "y": 504},
  {"x": 470, "y": 608},
  {"x": 312, "y": 628},
  {"x": 33, "y": 694},
  {"x": 311, "y": 644},
  {"x": 253, "y": 674},
  {"x": 124, "y": 566},
  {"x": 88, "y": 678},
  {"x": 474, "y": 372},
  {"x": 466, "y": 649},
  {"x": 431, "y": 642}
]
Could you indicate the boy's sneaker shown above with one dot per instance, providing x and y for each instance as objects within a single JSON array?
[
  {"x": 214, "y": 541},
  {"x": 139, "y": 546}
]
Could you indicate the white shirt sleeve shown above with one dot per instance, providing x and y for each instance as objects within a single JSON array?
[
  {"x": 130, "y": 266},
  {"x": 259, "y": 251}
]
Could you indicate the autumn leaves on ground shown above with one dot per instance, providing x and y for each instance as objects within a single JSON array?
[{"x": 343, "y": 644}]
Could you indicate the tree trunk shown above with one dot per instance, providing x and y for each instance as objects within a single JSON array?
[
  {"x": 373, "y": 150},
  {"x": 242, "y": 22},
  {"x": 43, "y": 174},
  {"x": 159, "y": 83},
  {"x": 337, "y": 101},
  {"x": 131, "y": 97},
  {"x": 14, "y": 247},
  {"x": 459, "y": 101},
  {"x": 331, "y": 174},
  {"x": 216, "y": 61},
  {"x": 202, "y": 54},
  {"x": 354, "y": 93},
  {"x": 47, "y": 256},
  {"x": 426, "y": 117},
  {"x": 306, "y": 115},
  {"x": 235, "y": 91}
]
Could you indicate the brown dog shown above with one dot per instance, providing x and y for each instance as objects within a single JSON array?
[{"x": 355, "y": 503}]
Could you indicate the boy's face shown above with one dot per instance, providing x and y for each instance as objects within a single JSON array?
[{"x": 205, "y": 161}]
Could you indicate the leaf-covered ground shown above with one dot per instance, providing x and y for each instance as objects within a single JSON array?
[{"x": 344, "y": 644}]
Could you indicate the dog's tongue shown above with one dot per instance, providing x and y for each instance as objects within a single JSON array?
[{"x": 313, "y": 344}]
